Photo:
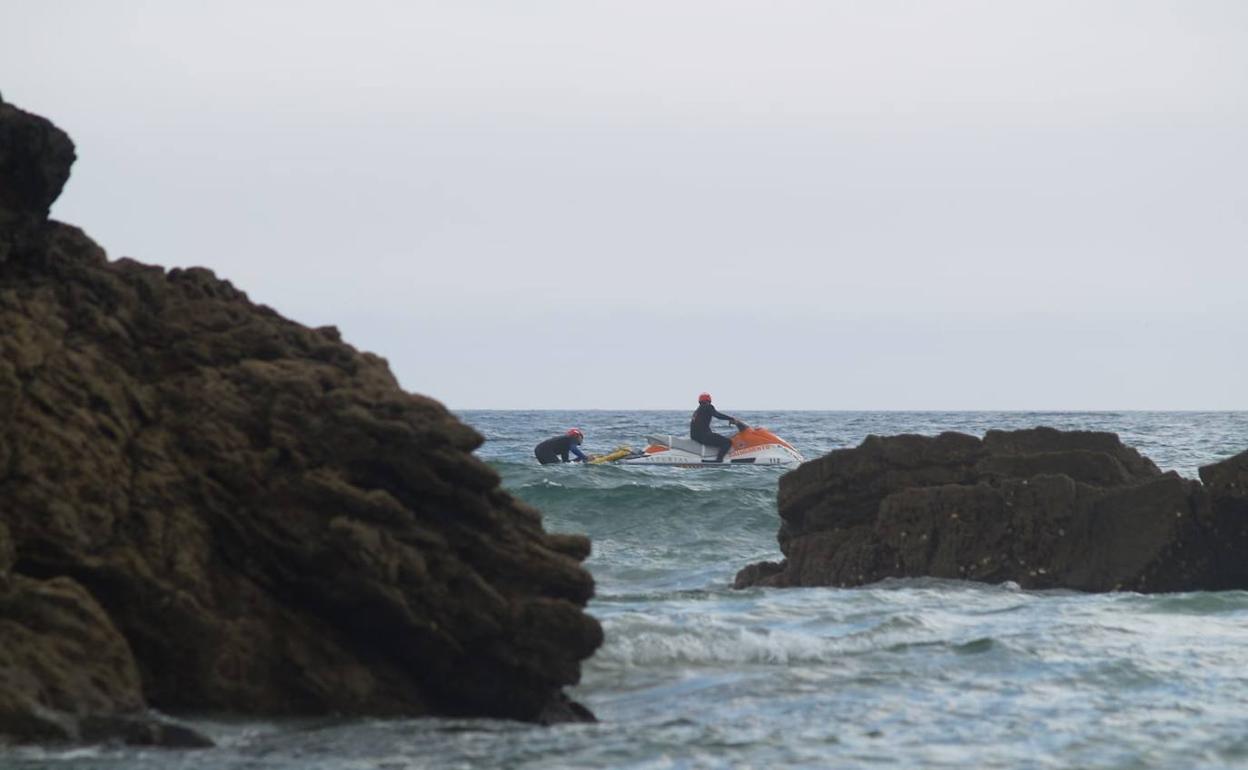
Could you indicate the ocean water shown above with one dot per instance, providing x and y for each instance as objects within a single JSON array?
[{"x": 902, "y": 674}]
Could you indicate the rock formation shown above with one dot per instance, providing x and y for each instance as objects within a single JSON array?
[
  {"x": 1041, "y": 507},
  {"x": 205, "y": 506}
]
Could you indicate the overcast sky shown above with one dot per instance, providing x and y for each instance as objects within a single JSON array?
[{"x": 579, "y": 204}]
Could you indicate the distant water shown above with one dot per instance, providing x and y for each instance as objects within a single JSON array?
[{"x": 914, "y": 674}]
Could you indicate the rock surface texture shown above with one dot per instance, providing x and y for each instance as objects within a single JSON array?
[
  {"x": 205, "y": 506},
  {"x": 1040, "y": 507}
]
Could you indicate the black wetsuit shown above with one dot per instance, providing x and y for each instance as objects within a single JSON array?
[
  {"x": 700, "y": 428},
  {"x": 555, "y": 450}
]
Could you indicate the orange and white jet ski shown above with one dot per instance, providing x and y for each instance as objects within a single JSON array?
[{"x": 751, "y": 446}]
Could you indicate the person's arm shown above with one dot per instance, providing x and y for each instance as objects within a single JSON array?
[
  {"x": 576, "y": 450},
  {"x": 722, "y": 416}
]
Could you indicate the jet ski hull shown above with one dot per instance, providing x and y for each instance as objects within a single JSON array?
[{"x": 751, "y": 448}]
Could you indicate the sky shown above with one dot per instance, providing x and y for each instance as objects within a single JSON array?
[{"x": 601, "y": 204}]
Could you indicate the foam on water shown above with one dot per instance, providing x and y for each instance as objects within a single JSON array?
[{"x": 921, "y": 673}]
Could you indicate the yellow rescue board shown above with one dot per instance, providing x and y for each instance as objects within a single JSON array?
[{"x": 618, "y": 454}]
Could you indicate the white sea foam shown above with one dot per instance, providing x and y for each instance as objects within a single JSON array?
[
  {"x": 700, "y": 641},
  {"x": 909, "y": 674}
]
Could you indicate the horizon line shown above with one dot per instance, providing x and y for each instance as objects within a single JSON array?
[{"x": 842, "y": 411}]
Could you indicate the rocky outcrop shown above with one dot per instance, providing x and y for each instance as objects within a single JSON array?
[
  {"x": 1226, "y": 484},
  {"x": 35, "y": 157},
  {"x": 208, "y": 507},
  {"x": 1041, "y": 507}
]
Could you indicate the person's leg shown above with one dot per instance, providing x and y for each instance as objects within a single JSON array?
[
  {"x": 545, "y": 458},
  {"x": 724, "y": 443}
]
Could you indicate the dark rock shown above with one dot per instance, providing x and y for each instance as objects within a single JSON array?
[
  {"x": 141, "y": 730},
  {"x": 1227, "y": 485},
  {"x": 758, "y": 573},
  {"x": 562, "y": 710},
  {"x": 846, "y": 485},
  {"x": 35, "y": 157},
  {"x": 1040, "y": 507},
  {"x": 1041, "y": 440},
  {"x": 209, "y": 507},
  {"x": 61, "y": 658}
]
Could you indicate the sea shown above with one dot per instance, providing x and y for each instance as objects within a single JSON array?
[{"x": 900, "y": 674}]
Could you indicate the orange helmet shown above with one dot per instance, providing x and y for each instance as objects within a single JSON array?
[
  {"x": 576, "y": 433},
  {"x": 705, "y": 398}
]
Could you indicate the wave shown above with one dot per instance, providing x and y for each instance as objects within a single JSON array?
[
  {"x": 1202, "y": 603},
  {"x": 702, "y": 511},
  {"x": 643, "y": 640}
]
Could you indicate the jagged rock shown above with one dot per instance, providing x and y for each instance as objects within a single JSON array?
[
  {"x": 1227, "y": 486},
  {"x": 1040, "y": 507},
  {"x": 67, "y": 674},
  {"x": 256, "y": 514},
  {"x": 35, "y": 157}
]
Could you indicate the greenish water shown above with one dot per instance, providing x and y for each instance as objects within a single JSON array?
[{"x": 901, "y": 674}]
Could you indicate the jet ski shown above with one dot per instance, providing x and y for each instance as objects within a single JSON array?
[{"x": 750, "y": 447}]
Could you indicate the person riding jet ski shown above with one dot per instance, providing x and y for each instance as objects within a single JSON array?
[
  {"x": 700, "y": 426},
  {"x": 554, "y": 450}
]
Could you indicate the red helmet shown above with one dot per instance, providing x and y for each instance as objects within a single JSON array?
[
  {"x": 576, "y": 432},
  {"x": 705, "y": 398}
]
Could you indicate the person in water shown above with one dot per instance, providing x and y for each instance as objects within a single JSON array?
[
  {"x": 700, "y": 426},
  {"x": 557, "y": 449}
]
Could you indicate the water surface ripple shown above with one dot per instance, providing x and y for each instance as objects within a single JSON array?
[{"x": 908, "y": 674}]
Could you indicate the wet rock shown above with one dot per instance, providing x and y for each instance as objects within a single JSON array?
[
  {"x": 1040, "y": 507},
  {"x": 61, "y": 659},
  {"x": 1227, "y": 485},
  {"x": 141, "y": 730},
  {"x": 209, "y": 507},
  {"x": 758, "y": 573}
]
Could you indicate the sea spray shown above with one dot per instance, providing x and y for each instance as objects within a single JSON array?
[{"x": 915, "y": 673}]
